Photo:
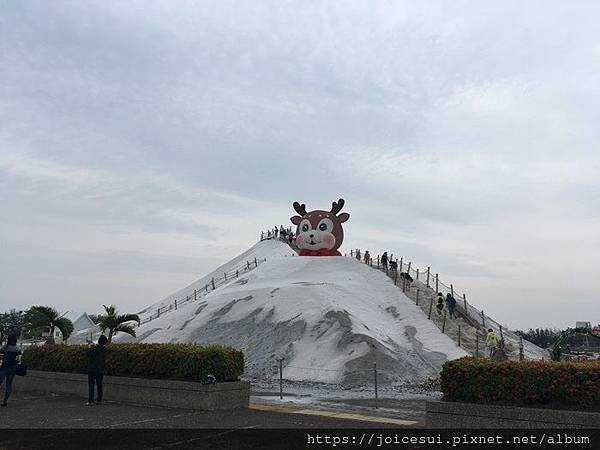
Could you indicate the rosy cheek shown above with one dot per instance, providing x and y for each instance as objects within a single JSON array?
[
  {"x": 329, "y": 240},
  {"x": 299, "y": 240}
]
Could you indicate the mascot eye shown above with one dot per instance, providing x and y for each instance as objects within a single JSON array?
[
  {"x": 305, "y": 227},
  {"x": 323, "y": 227}
]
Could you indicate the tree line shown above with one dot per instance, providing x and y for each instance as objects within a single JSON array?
[
  {"x": 545, "y": 337},
  {"x": 29, "y": 324}
]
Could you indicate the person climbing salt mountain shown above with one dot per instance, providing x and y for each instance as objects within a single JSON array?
[
  {"x": 384, "y": 261},
  {"x": 491, "y": 341},
  {"x": 451, "y": 304},
  {"x": 440, "y": 303}
]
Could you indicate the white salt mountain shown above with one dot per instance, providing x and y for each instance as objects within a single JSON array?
[{"x": 329, "y": 318}]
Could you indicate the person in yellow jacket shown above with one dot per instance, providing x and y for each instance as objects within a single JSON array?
[{"x": 491, "y": 341}]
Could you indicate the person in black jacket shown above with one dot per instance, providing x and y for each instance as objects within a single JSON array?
[
  {"x": 95, "y": 369},
  {"x": 10, "y": 355}
]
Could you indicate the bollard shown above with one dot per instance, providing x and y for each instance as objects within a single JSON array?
[
  {"x": 280, "y": 378},
  {"x": 375, "y": 379},
  {"x": 444, "y": 322},
  {"x": 430, "y": 307},
  {"x": 521, "y": 353}
]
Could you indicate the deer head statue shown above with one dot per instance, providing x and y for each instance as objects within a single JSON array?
[{"x": 318, "y": 232}]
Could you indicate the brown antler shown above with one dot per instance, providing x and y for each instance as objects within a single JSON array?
[
  {"x": 336, "y": 207},
  {"x": 300, "y": 208}
]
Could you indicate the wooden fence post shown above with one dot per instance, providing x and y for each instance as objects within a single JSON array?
[
  {"x": 465, "y": 302},
  {"x": 408, "y": 270},
  {"x": 476, "y": 344},
  {"x": 175, "y": 305},
  {"x": 396, "y": 278},
  {"x": 206, "y": 288},
  {"x": 459, "y": 335},
  {"x": 255, "y": 263},
  {"x": 237, "y": 273},
  {"x": 417, "y": 274},
  {"x": 444, "y": 322},
  {"x": 428, "y": 273},
  {"x": 437, "y": 282},
  {"x": 430, "y": 308},
  {"x": 418, "y": 296},
  {"x": 501, "y": 335},
  {"x": 213, "y": 283},
  {"x": 452, "y": 289},
  {"x": 482, "y": 318},
  {"x": 401, "y": 265},
  {"x": 225, "y": 276},
  {"x": 195, "y": 295},
  {"x": 377, "y": 261},
  {"x": 248, "y": 264}
]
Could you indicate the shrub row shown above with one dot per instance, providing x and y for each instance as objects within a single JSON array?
[
  {"x": 162, "y": 361},
  {"x": 523, "y": 383}
]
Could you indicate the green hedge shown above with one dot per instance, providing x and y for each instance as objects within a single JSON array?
[
  {"x": 163, "y": 361},
  {"x": 478, "y": 380}
]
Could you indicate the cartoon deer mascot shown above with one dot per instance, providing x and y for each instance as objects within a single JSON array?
[{"x": 319, "y": 233}]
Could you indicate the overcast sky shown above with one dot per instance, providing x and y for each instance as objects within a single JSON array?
[{"x": 144, "y": 143}]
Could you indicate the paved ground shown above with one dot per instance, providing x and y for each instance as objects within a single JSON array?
[
  {"x": 42, "y": 410},
  {"x": 42, "y": 420}
]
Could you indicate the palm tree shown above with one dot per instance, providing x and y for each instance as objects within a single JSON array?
[
  {"x": 114, "y": 322},
  {"x": 46, "y": 316}
]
